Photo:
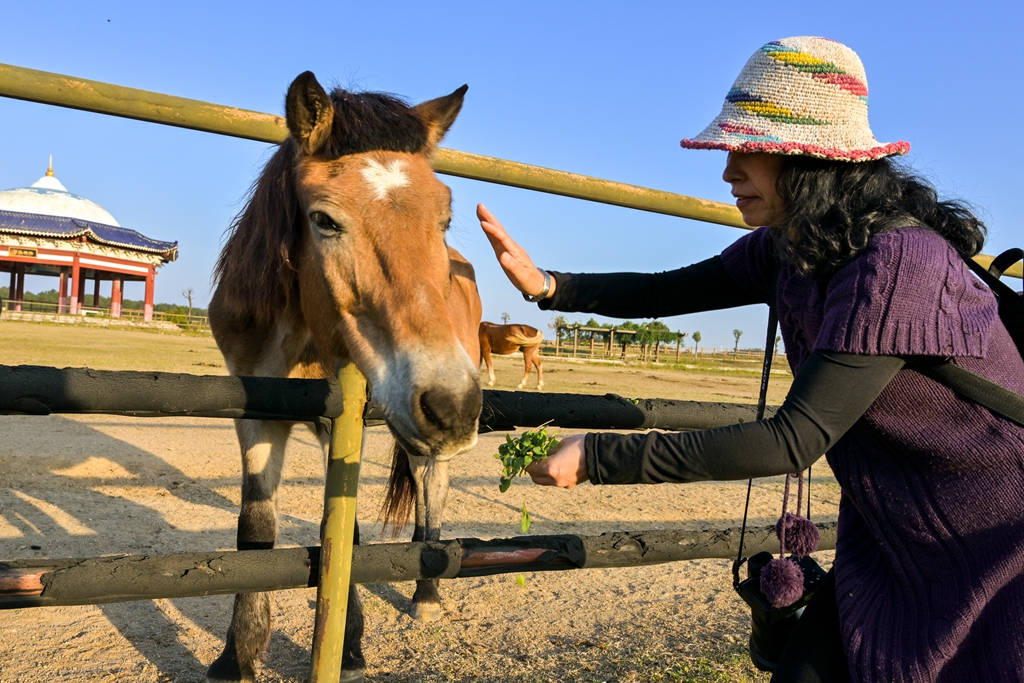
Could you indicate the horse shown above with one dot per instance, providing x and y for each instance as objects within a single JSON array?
[
  {"x": 339, "y": 255},
  {"x": 507, "y": 339}
]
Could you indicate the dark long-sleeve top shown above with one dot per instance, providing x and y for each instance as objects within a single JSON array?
[
  {"x": 810, "y": 420},
  {"x": 930, "y": 548}
]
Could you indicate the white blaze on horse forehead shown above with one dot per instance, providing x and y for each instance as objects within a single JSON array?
[{"x": 382, "y": 179}]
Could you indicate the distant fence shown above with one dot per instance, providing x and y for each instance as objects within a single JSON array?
[
  {"x": 135, "y": 316},
  {"x": 615, "y": 343}
]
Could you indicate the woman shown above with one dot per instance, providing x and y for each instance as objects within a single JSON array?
[{"x": 864, "y": 266}]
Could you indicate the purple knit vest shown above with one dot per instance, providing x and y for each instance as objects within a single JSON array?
[{"x": 930, "y": 550}]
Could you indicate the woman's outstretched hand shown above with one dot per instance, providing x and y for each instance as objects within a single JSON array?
[
  {"x": 512, "y": 258},
  {"x": 565, "y": 467}
]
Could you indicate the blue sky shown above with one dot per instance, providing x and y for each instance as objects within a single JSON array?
[{"x": 601, "y": 88}]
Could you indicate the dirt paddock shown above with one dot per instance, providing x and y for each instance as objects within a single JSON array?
[{"x": 77, "y": 486}]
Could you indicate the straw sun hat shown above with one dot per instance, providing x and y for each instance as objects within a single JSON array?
[{"x": 801, "y": 95}]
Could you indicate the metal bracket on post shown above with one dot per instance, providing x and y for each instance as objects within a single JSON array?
[{"x": 338, "y": 526}]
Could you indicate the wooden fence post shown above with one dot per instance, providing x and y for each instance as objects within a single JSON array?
[{"x": 339, "y": 524}]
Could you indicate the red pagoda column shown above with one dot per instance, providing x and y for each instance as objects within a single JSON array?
[
  {"x": 62, "y": 291},
  {"x": 13, "y": 288},
  {"x": 116, "y": 296},
  {"x": 147, "y": 311},
  {"x": 76, "y": 286}
]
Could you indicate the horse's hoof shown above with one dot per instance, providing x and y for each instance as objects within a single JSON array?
[
  {"x": 352, "y": 674},
  {"x": 227, "y": 669},
  {"x": 429, "y": 611},
  {"x": 218, "y": 678}
]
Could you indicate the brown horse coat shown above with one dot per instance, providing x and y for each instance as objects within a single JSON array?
[{"x": 504, "y": 340}]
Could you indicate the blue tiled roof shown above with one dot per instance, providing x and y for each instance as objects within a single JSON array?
[{"x": 19, "y": 223}]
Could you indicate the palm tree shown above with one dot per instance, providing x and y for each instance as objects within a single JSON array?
[
  {"x": 680, "y": 336},
  {"x": 736, "y": 335},
  {"x": 505, "y": 317},
  {"x": 696, "y": 340}
]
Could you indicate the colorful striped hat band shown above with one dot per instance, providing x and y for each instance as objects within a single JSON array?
[{"x": 801, "y": 95}]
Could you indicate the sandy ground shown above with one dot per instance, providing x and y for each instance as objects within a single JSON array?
[{"x": 77, "y": 486}]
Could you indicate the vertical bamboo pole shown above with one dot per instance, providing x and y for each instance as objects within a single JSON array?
[{"x": 338, "y": 526}]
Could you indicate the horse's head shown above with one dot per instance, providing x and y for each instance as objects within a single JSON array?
[{"x": 374, "y": 274}]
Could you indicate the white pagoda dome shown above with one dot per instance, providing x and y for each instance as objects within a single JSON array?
[{"x": 48, "y": 197}]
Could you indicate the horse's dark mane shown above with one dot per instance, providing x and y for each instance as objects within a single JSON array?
[
  {"x": 368, "y": 121},
  {"x": 256, "y": 271}
]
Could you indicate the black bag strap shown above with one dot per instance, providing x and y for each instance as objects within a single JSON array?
[
  {"x": 970, "y": 385},
  {"x": 990, "y": 276},
  {"x": 1003, "y": 261},
  {"x": 993, "y": 396},
  {"x": 762, "y": 400}
]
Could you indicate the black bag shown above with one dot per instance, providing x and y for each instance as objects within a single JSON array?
[
  {"x": 770, "y": 627},
  {"x": 996, "y": 398}
]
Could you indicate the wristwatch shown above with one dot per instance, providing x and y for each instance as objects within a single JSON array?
[{"x": 543, "y": 292}]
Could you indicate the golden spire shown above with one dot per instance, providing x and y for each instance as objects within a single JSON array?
[{"x": 49, "y": 170}]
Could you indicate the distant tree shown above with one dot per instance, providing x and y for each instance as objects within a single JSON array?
[
  {"x": 696, "y": 341},
  {"x": 626, "y": 339},
  {"x": 651, "y": 335},
  {"x": 505, "y": 317},
  {"x": 561, "y": 327},
  {"x": 778, "y": 338},
  {"x": 680, "y": 337},
  {"x": 188, "y": 296},
  {"x": 736, "y": 335}
]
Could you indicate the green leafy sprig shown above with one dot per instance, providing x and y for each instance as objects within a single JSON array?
[{"x": 516, "y": 454}]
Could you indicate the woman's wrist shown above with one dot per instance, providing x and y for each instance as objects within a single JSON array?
[{"x": 546, "y": 290}]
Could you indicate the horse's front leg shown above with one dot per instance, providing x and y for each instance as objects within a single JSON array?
[
  {"x": 431, "y": 479},
  {"x": 262, "y": 444}
]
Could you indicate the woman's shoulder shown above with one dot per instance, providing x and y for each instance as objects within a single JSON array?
[
  {"x": 906, "y": 260},
  {"x": 911, "y": 240},
  {"x": 909, "y": 292},
  {"x": 913, "y": 254}
]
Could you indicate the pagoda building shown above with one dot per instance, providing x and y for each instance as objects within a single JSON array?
[{"x": 46, "y": 230}]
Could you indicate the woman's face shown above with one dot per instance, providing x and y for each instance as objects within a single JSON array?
[{"x": 753, "y": 177}]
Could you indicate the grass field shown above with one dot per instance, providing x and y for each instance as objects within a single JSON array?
[{"x": 107, "y": 348}]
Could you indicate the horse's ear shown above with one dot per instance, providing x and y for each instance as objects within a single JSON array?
[
  {"x": 439, "y": 114},
  {"x": 309, "y": 112}
]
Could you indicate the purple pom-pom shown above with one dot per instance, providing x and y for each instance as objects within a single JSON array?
[
  {"x": 802, "y": 536},
  {"x": 782, "y": 582}
]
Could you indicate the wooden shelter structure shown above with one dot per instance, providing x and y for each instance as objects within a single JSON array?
[{"x": 47, "y": 230}]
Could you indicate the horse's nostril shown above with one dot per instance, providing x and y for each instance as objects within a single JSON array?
[
  {"x": 435, "y": 404},
  {"x": 448, "y": 410}
]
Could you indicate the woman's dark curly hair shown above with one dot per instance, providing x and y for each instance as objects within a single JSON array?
[{"x": 834, "y": 207}]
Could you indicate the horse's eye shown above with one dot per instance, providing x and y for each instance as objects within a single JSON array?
[
  {"x": 323, "y": 222},
  {"x": 446, "y": 224}
]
